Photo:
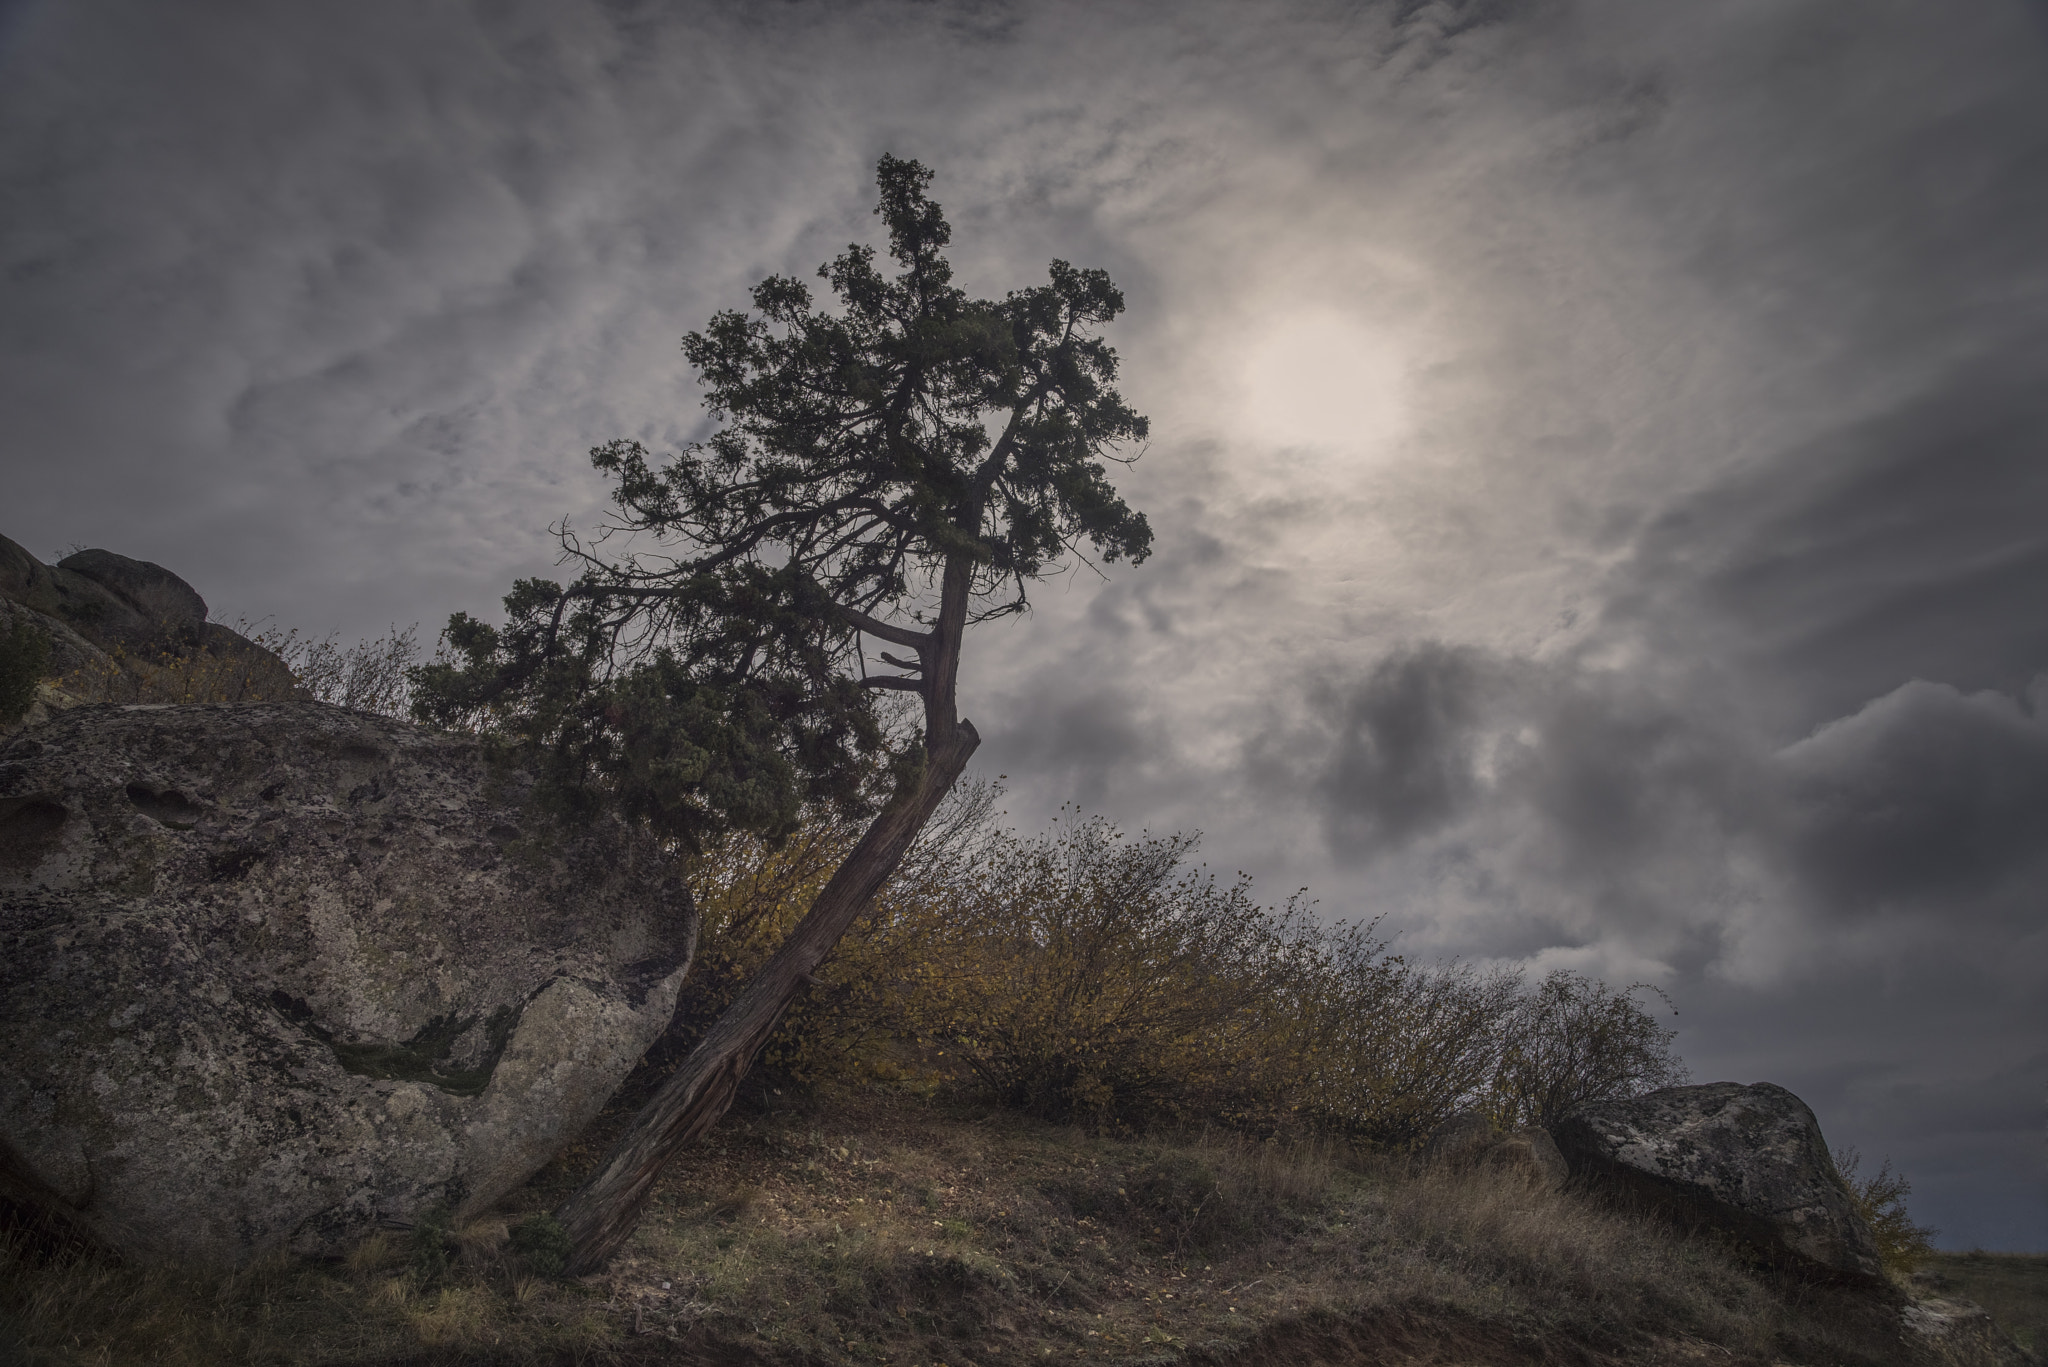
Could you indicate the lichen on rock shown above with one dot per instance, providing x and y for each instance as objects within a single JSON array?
[
  {"x": 1747, "y": 1160},
  {"x": 276, "y": 972}
]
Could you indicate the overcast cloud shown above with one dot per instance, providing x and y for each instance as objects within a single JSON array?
[{"x": 1599, "y": 461}]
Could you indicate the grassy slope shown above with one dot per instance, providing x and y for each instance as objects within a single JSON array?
[
  {"x": 2012, "y": 1286},
  {"x": 873, "y": 1229}
]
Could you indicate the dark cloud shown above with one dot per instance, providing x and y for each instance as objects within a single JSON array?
[
  {"x": 1926, "y": 803},
  {"x": 1908, "y": 544},
  {"x": 1927, "y": 799},
  {"x": 1388, "y": 760}
]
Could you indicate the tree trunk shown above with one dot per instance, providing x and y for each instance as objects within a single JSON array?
[{"x": 601, "y": 1216}]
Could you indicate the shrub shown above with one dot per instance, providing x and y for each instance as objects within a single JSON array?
[
  {"x": 751, "y": 891},
  {"x": 542, "y": 1244},
  {"x": 1389, "y": 1050},
  {"x": 369, "y": 676},
  {"x": 1082, "y": 975},
  {"x": 24, "y": 657},
  {"x": 1881, "y": 1200},
  {"x": 1573, "y": 1040}
]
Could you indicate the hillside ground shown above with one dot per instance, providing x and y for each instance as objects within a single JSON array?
[
  {"x": 873, "y": 1227},
  {"x": 2012, "y": 1286}
]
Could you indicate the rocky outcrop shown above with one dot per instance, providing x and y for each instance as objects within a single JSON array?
[
  {"x": 158, "y": 604},
  {"x": 1747, "y": 1160},
  {"x": 106, "y": 598},
  {"x": 1470, "y": 1141},
  {"x": 123, "y": 630},
  {"x": 1957, "y": 1333},
  {"x": 273, "y": 973}
]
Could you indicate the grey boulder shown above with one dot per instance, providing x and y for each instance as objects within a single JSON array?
[
  {"x": 1747, "y": 1160},
  {"x": 158, "y": 597},
  {"x": 124, "y": 630},
  {"x": 271, "y": 974},
  {"x": 113, "y": 601},
  {"x": 1956, "y": 1333}
]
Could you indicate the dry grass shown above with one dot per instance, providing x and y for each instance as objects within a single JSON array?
[
  {"x": 2012, "y": 1286},
  {"x": 876, "y": 1229}
]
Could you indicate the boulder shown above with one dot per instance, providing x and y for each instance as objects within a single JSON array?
[
  {"x": 125, "y": 630},
  {"x": 152, "y": 592},
  {"x": 271, "y": 974},
  {"x": 1958, "y": 1333},
  {"x": 102, "y": 614},
  {"x": 70, "y": 653},
  {"x": 1747, "y": 1160}
]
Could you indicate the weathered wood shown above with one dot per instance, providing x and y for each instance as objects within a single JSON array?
[{"x": 601, "y": 1215}]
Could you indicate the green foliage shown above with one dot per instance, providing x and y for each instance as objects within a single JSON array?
[
  {"x": 1881, "y": 1200},
  {"x": 433, "y": 1244},
  {"x": 542, "y": 1244},
  {"x": 712, "y": 681},
  {"x": 695, "y": 759},
  {"x": 24, "y": 659}
]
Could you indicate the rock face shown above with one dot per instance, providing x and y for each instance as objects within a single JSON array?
[
  {"x": 108, "y": 598},
  {"x": 1749, "y": 1160},
  {"x": 273, "y": 973},
  {"x": 161, "y": 601},
  {"x": 125, "y": 630},
  {"x": 1957, "y": 1333}
]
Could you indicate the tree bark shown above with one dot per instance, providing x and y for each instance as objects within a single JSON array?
[{"x": 601, "y": 1216}]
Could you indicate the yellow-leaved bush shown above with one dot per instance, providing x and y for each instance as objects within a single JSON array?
[{"x": 1086, "y": 975}]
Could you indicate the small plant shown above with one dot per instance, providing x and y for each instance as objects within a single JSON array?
[
  {"x": 433, "y": 1245},
  {"x": 24, "y": 657},
  {"x": 541, "y": 1244},
  {"x": 369, "y": 676},
  {"x": 1881, "y": 1200}
]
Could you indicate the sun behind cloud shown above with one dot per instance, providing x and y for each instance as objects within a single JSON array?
[{"x": 1319, "y": 378}]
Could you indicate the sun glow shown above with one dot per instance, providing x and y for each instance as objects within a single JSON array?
[{"x": 1322, "y": 379}]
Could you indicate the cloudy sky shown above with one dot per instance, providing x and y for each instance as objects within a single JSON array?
[{"x": 1599, "y": 459}]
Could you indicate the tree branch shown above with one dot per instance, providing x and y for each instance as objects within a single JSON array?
[
  {"x": 893, "y": 681},
  {"x": 894, "y": 635}
]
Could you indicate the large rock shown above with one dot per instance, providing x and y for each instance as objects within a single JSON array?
[
  {"x": 159, "y": 598},
  {"x": 114, "y": 602},
  {"x": 125, "y": 630},
  {"x": 273, "y": 973},
  {"x": 1748, "y": 1160},
  {"x": 1957, "y": 1333}
]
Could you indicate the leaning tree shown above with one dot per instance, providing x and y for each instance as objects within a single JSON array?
[{"x": 884, "y": 475}]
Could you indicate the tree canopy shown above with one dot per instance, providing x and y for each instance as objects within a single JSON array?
[{"x": 712, "y": 674}]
